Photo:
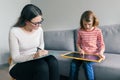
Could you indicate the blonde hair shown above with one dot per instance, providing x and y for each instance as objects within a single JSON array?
[{"x": 87, "y": 17}]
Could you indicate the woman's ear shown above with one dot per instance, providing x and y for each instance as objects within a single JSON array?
[{"x": 27, "y": 22}]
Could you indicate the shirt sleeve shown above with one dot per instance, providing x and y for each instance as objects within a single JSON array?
[
  {"x": 41, "y": 45},
  {"x": 78, "y": 38},
  {"x": 14, "y": 49},
  {"x": 101, "y": 44}
]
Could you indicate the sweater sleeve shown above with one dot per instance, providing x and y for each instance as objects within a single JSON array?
[
  {"x": 14, "y": 50},
  {"x": 101, "y": 44},
  {"x": 41, "y": 45},
  {"x": 78, "y": 38}
]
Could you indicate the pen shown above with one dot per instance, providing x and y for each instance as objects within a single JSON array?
[{"x": 38, "y": 49}]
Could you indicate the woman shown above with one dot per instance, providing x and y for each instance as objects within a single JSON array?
[{"x": 26, "y": 45}]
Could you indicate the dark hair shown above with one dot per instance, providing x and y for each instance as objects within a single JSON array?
[
  {"x": 27, "y": 14},
  {"x": 87, "y": 17}
]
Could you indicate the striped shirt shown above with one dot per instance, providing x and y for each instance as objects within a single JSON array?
[{"x": 91, "y": 41}]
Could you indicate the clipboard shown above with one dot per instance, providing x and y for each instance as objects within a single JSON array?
[{"x": 85, "y": 57}]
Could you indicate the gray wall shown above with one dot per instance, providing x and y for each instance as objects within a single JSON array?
[
  {"x": 9, "y": 12},
  {"x": 65, "y": 14},
  {"x": 58, "y": 14}
]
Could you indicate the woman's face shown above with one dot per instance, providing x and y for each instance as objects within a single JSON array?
[
  {"x": 88, "y": 25},
  {"x": 35, "y": 22}
]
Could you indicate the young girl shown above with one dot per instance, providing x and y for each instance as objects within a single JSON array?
[{"x": 90, "y": 41}]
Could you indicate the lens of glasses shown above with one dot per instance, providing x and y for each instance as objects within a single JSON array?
[{"x": 37, "y": 23}]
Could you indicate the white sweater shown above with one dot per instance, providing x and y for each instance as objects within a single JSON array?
[{"x": 23, "y": 45}]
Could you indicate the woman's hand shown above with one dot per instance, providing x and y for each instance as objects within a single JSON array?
[{"x": 40, "y": 53}]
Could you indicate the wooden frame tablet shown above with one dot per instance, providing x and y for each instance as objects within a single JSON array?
[{"x": 86, "y": 57}]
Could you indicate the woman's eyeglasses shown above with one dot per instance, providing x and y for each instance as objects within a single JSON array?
[{"x": 37, "y": 23}]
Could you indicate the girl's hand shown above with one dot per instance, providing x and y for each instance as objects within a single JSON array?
[
  {"x": 81, "y": 52},
  {"x": 103, "y": 56}
]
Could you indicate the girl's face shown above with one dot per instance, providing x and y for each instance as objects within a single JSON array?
[
  {"x": 34, "y": 23},
  {"x": 88, "y": 25}
]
